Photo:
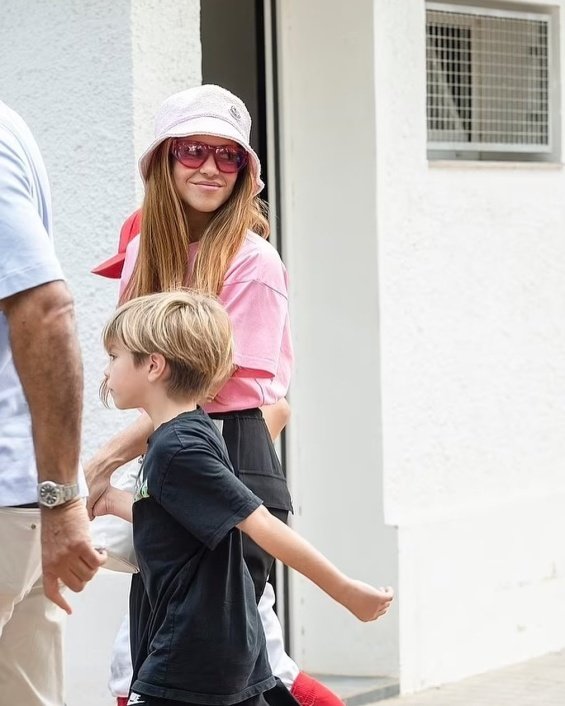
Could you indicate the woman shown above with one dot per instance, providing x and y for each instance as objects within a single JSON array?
[{"x": 203, "y": 226}]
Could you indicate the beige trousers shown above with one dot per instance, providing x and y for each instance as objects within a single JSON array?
[{"x": 31, "y": 627}]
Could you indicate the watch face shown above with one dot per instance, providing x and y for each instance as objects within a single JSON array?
[{"x": 49, "y": 493}]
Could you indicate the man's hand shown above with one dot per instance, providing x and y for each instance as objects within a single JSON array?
[{"x": 68, "y": 554}]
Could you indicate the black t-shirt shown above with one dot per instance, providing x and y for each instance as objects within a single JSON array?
[{"x": 203, "y": 641}]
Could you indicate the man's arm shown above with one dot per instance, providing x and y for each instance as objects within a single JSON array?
[
  {"x": 47, "y": 358},
  {"x": 125, "y": 446},
  {"x": 279, "y": 540}
]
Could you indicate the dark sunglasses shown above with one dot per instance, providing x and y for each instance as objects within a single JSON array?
[{"x": 193, "y": 154}]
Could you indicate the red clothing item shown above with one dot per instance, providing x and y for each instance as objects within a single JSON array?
[
  {"x": 310, "y": 692},
  {"x": 112, "y": 267}
]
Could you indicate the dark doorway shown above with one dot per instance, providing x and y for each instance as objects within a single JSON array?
[{"x": 233, "y": 56}]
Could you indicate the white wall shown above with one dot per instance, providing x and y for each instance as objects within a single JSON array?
[
  {"x": 88, "y": 77},
  {"x": 329, "y": 214},
  {"x": 66, "y": 67},
  {"x": 472, "y": 292},
  {"x": 166, "y": 57}
]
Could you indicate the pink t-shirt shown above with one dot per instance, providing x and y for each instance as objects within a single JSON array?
[{"x": 255, "y": 295}]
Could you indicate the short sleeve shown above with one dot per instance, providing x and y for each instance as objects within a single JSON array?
[
  {"x": 28, "y": 258},
  {"x": 258, "y": 311},
  {"x": 203, "y": 494}
]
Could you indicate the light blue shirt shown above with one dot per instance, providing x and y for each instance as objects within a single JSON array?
[{"x": 27, "y": 259}]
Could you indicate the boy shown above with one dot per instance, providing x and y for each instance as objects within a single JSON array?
[{"x": 197, "y": 636}]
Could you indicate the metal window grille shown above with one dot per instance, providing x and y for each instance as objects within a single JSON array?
[{"x": 488, "y": 83}]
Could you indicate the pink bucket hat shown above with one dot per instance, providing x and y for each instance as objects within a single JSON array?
[{"x": 204, "y": 110}]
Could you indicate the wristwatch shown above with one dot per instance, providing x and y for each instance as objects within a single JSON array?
[{"x": 50, "y": 494}]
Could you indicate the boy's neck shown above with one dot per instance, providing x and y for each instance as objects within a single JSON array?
[{"x": 167, "y": 408}]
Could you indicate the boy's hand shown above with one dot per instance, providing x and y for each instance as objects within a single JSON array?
[{"x": 365, "y": 602}]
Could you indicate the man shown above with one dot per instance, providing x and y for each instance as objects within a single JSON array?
[{"x": 42, "y": 516}]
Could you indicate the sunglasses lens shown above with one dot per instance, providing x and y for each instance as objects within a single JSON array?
[
  {"x": 191, "y": 154},
  {"x": 230, "y": 159}
]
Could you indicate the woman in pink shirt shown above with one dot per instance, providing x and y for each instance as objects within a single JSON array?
[{"x": 203, "y": 226}]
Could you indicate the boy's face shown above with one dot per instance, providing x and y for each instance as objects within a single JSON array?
[{"x": 125, "y": 380}]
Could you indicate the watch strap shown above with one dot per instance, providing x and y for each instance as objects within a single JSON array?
[
  {"x": 70, "y": 492},
  {"x": 52, "y": 494}
]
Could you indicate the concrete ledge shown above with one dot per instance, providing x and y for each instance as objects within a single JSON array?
[{"x": 357, "y": 691}]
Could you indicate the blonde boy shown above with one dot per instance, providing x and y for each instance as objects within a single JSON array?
[{"x": 197, "y": 637}]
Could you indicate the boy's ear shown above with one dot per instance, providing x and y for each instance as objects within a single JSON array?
[{"x": 157, "y": 367}]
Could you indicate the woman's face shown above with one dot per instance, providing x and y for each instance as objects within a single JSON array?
[{"x": 205, "y": 189}]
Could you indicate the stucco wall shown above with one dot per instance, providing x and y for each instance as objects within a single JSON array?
[
  {"x": 67, "y": 69},
  {"x": 472, "y": 300},
  {"x": 88, "y": 77},
  {"x": 329, "y": 217},
  {"x": 166, "y": 58}
]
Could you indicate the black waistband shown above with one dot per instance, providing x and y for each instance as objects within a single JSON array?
[
  {"x": 254, "y": 413},
  {"x": 26, "y": 506}
]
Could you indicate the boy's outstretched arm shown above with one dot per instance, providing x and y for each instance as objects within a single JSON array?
[{"x": 282, "y": 542}]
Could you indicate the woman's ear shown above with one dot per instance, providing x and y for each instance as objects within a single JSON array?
[{"x": 158, "y": 367}]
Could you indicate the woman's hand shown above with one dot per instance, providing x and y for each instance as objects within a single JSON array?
[
  {"x": 123, "y": 447},
  {"x": 276, "y": 417},
  {"x": 114, "y": 502},
  {"x": 98, "y": 481}
]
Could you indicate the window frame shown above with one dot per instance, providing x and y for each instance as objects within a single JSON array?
[{"x": 476, "y": 149}]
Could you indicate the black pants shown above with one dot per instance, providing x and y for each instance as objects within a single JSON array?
[
  {"x": 257, "y": 465},
  {"x": 258, "y": 700}
]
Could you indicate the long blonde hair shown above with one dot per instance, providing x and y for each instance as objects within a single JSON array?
[{"x": 162, "y": 262}]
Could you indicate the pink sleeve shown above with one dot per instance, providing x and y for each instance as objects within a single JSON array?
[{"x": 258, "y": 313}]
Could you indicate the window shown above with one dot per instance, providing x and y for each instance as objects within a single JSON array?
[{"x": 489, "y": 84}]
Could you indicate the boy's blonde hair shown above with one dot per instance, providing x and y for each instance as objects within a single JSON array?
[{"x": 190, "y": 330}]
